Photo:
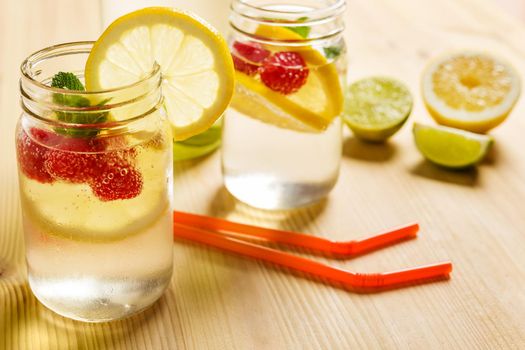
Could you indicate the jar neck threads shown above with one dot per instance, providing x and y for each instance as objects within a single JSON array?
[
  {"x": 45, "y": 104},
  {"x": 315, "y": 21}
]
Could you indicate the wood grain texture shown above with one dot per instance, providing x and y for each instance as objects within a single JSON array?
[
  {"x": 220, "y": 301},
  {"x": 515, "y": 8}
]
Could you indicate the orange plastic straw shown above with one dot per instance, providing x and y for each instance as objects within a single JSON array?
[
  {"x": 347, "y": 278},
  {"x": 317, "y": 244}
]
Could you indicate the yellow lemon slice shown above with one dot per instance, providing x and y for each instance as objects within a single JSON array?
[
  {"x": 196, "y": 66},
  {"x": 311, "y": 109},
  {"x": 471, "y": 91}
]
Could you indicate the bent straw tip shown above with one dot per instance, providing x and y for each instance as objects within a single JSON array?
[
  {"x": 414, "y": 228},
  {"x": 447, "y": 267}
]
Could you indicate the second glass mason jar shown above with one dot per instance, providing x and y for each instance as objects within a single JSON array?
[
  {"x": 282, "y": 138},
  {"x": 95, "y": 176}
]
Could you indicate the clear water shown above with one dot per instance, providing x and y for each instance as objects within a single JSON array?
[
  {"x": 95, "y": 299},
  {"x": 94, "y": 260},
  {"x": 100, "y": 281},
  {"x": 270, "y": 167}
]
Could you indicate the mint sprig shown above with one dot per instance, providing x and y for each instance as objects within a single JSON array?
[
  {"x": 69, "y": 81},
  {"x": 303, "y": 31},
  {"x": 332, "y": 51}
]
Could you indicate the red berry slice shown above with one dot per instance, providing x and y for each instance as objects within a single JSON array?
[
  {"x": 116, "y": 179},
  {"x": 71, "y": 160},
  {"x": 32, "y": 155},
  {"x": 246, "y": 54},
  {"x": 242, "y": 66},
  {"x": 284, "y": 72},
  {"x": 253, "y": 52},
  {"x": 46, "y": 137},
  {"x": 111, "y": 175}
]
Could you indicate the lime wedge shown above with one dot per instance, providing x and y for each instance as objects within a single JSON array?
[
  {"x": 198, "y": 145},
  {"x": 449, "y": 147},
  {"x": 376, "y": 108}
]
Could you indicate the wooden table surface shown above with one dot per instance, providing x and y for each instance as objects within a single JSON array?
[{"x": 220, "y": 301}]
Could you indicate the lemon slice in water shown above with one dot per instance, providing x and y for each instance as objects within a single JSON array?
[
  {"x": 311, "y": 109},
  {"x": 196, "y": 66}
]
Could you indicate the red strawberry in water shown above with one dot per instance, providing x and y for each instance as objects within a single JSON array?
[
  {"x": 284, "y": 72},
  {"x": 246, "y": 54},
  {"x": 32, "y": 154},
  {"x": 243, "y": 66},
  {"x": 116, "y": 178},
  {"x": 73, "y": 159},
  {"x": 76, "y": 159},
  {"x": 253, "y": 52},
  {"x": 46, "y": 137}
]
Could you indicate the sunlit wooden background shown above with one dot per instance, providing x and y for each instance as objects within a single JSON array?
[{"x": 220, "y": 301}]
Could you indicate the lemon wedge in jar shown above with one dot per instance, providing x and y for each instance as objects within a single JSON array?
[{"x": 311, "y": 108}]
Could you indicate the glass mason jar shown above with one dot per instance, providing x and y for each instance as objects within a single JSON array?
[
  {"x": 282, "y": 138},
  {"x": 95, "y": 176}
]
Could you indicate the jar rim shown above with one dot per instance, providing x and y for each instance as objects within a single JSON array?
[
  {"x": 132, "y": 101},
  {"x": 47, "y": 53},
  {"x": 321, "y": 22},
  {"x": 333, "y": 9}
]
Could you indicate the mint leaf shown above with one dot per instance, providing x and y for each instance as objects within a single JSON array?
[
  {"x": 303, "y": 31},
  {"x": 69, "y": 81},
  {"x": 332, "y": 51}
]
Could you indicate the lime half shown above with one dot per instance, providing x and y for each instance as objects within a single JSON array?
[
  {"x": 449, "y": 147},
  {"x": 377, "y": 107}
]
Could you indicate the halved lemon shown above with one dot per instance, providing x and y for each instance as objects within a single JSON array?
[
  {"x": 196, "y": 66},
  {"x": 469, "y": 90},
  {"x": 449, "y": 147},
  {"x": 311, "y": 109}
]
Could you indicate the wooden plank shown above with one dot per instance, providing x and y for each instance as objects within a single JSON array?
[
  {"x": 515, "y": 8},
  {"x": 219, "y": 301}
]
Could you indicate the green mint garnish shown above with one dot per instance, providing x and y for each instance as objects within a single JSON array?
[
  {"x": 332, "y": 51},
  {"x": 66, "y": 80},
  {"x": 69, "y": 81},
  {"x": 303, "y": 31}
]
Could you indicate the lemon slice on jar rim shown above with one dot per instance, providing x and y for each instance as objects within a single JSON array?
[{"x": 194, "y": 59}]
